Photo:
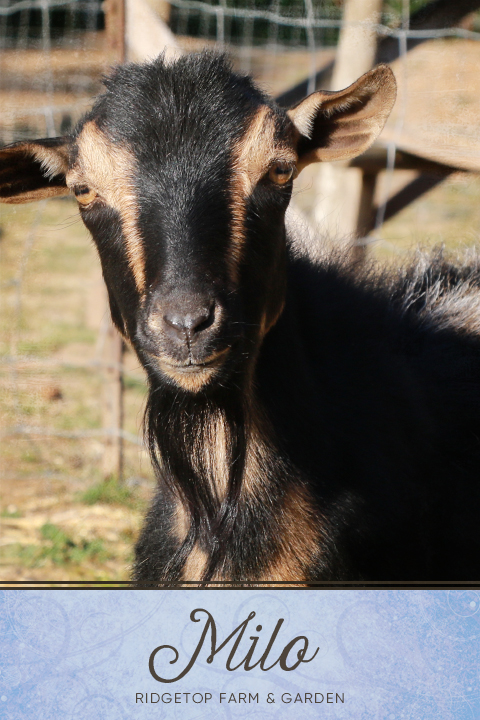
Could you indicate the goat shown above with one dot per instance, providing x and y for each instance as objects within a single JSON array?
[{"x": 306, "y": 421}]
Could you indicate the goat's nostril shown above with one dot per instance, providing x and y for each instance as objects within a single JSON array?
[{"x": 190, "y": 323}]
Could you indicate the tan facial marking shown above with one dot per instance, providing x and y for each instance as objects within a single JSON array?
[
  {"x": 109, "y": 170},
  {"x": 191, "y": 381},
  {"x": 267, "y": 322},
  {"x": 254, "y": 151},
  {"x": 253, "y": 156}
]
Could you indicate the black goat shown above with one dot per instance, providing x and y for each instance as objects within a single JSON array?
[{"x": 307, "y": 422}]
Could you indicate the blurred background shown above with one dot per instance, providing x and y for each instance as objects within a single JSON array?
[{"x": 75, "y": 480}]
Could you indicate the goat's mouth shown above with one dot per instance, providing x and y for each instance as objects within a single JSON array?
[{"x": 192, "y": 374}]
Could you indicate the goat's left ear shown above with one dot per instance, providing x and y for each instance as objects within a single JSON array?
[
  {"x": 341, "y": 125},
  {"x": 34, "y": 170}
]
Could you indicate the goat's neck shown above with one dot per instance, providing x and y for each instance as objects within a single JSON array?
[{"x": 266, "y": 499}]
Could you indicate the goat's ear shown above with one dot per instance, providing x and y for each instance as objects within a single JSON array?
[
  {"x": 341, "y": 125},
  {"x": 34, "y": 170}
]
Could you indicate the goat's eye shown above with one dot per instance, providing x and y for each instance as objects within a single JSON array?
[
  {"x": 280, "y": 174},
  {"x": 84, "y": 194}
]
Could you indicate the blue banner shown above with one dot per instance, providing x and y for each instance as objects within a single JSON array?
[{"x": 226, "y": 654}]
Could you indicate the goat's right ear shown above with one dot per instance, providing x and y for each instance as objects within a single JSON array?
[
  {"x": 341, "y": 125},
  {"x": 34, "y": 170}
]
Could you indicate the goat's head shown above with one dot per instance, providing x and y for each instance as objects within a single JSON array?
[{"x": 183, "y": 173}]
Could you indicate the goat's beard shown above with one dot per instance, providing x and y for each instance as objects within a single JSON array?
[{"x": 198, "y": 447}]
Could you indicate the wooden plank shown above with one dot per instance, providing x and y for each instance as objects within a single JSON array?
[
  {"x": 436, "y": 15},
  {"x": 344, "y": 191},
  {"x": 357, "y": 44},
  {"x": 162, "y": 8},
  {"x": 375, "y": 159}
]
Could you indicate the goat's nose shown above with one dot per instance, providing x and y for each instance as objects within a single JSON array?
[{"x": 188, "y": 324}]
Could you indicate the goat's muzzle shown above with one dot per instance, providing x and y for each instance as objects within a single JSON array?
[{"x": 184, "y": 339}]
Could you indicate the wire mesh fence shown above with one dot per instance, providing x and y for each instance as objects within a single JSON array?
[
  {"x": 51, "y": 61},
  {"x": 54, "y": 359}
]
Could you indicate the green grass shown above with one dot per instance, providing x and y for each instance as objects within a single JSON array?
[
  {"x": 60, "y": 335},
  {"x": 10, "y": 514},
  {"x": 57, "y": 548},
  {"x": 448, "y": 215},
  {"x": 30, "y": 455},
  {"x": 131, "y": 383},
  {"x": 110, "y": 492}
]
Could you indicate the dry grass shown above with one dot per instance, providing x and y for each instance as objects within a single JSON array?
[{"x": 449, "y": 215}]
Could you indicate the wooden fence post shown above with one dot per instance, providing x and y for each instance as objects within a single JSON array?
[
  {"x": 146, "y": 33},
  {"x": 115, "y": 29},
  {"x": 366, "y": 215},
  {"x": 347, "y": 193}
]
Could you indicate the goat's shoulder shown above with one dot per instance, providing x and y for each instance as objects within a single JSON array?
[
  {"x": 360, "y": 340},
  {"x": 429, "y": 293}
]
